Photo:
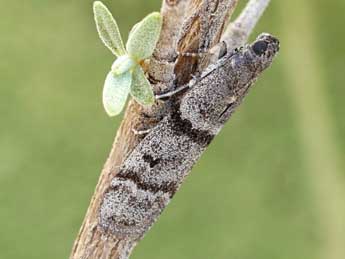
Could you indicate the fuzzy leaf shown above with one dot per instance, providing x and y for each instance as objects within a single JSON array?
[
  {"x": 141, "y": 89},
  {"x": 115, "y": 92},
  {"x": 143, "y": 38},
  {"x": 133, "y": 29},
  {"x": 107, "y": 29}
]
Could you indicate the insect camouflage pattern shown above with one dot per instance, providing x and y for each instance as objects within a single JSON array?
[{"x": 155, "y": 169}]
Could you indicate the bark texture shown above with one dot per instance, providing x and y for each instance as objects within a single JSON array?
[{"x": 139, "y": 179}]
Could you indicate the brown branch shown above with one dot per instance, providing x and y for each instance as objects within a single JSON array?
[
  {"x": 237, "y": 32},
  {"x": 201, "y": 31},
  {"x": 202, "y": 23},
  {"x": 91, "y": 242}
]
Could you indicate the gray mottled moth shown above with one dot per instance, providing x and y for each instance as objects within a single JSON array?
[{"x": 155, "y": 169}]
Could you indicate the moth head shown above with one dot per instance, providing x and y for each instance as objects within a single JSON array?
[{"x": 264, "y": 49}]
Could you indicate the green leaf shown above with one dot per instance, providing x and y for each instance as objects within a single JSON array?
[
  {"x": 115, "y": 92},
  {"x": 143, "y": 38},
  {"x": 133, "y": 29},
  {"x": 141, "y": 89},
  {"x": 107, "y": 29}
]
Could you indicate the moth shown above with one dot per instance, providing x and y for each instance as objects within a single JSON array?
[
  {"x": 153, "y": 172},
  {"x": 126, "y": 75}
]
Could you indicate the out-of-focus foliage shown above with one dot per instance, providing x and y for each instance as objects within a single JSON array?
[{"x": 251, "y": 196}]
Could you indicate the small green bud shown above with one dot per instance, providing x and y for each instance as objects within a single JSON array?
[
  {"x": 126, "y": 75},
  {"x": 122, "y": 64}
]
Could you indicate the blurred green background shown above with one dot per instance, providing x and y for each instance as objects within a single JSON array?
[{"x": 270, "y": 186}]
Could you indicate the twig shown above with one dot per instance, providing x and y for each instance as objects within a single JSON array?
[
  {"x": 91, "y": 242},
  {"x": 112, "y": 226},
  {"x": 238, "y": 31},
  {"x": 200, "y": 32},
  {"x": 163, "y": 59}
]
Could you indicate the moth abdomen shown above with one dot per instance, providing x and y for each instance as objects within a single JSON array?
[{"x": 128, "y": 211}]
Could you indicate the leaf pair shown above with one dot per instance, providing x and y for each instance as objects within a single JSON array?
[{"x": 127, "y": 76}]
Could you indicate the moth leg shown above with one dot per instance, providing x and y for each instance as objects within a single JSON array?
[
  {"x": 184, "y": 87},
  {"x": 171, "y": 93},
  {"x": 190, "y": 54},
  {"x": 231, "y": 101},
  {"x": 141, "y": 132}
]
